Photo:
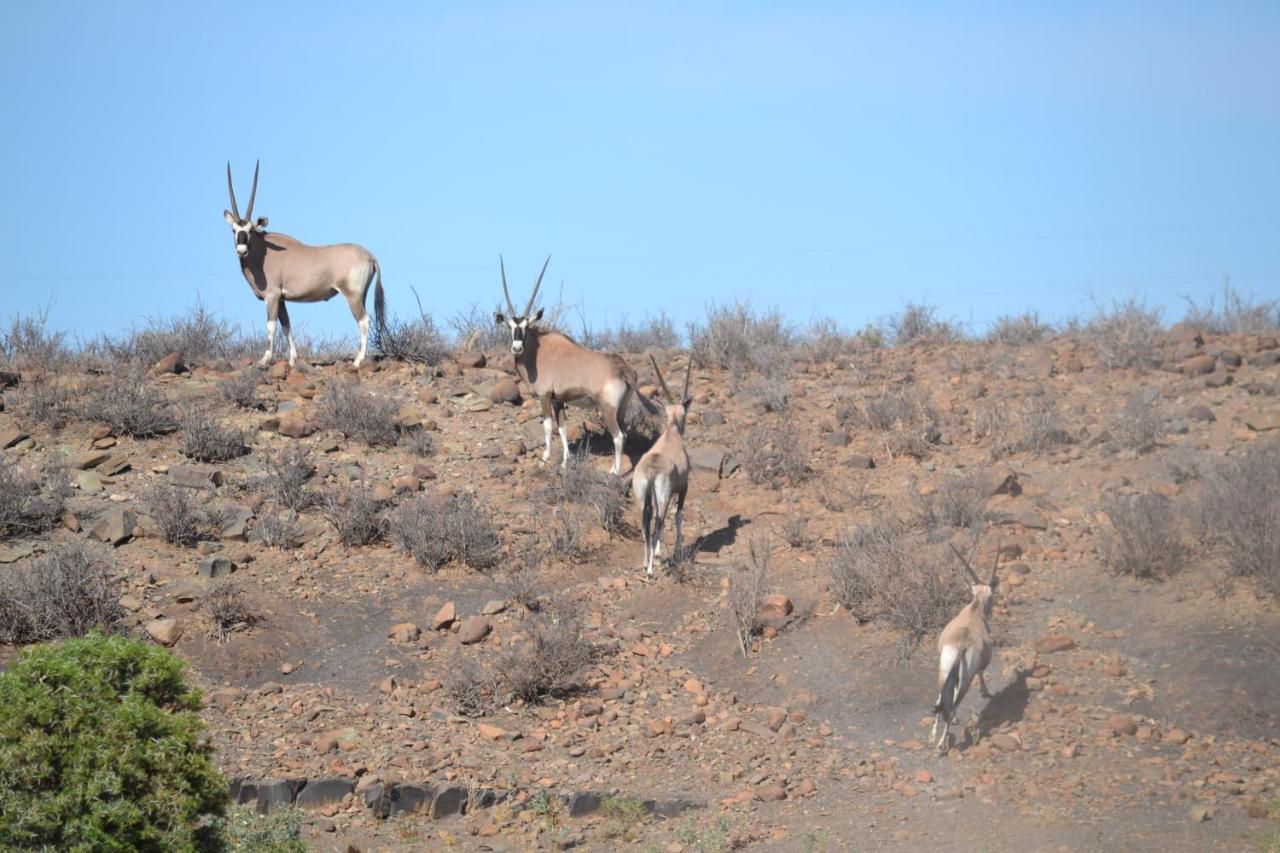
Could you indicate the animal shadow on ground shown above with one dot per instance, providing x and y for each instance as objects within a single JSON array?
[
  {"x": 1006, "y": 706},
  {"x": 722, "y": 537}
]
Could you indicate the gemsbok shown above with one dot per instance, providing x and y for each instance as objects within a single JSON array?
[
  {"x": 559, "y": 371},
  {"x": 280, "y": 269},
  {"x": 662, "y": 474},
  {"x": 964, "y": 650}
]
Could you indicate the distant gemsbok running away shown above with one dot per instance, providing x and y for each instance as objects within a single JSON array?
[
  {"x": 964, "y": 650},
  {"x": 280, "y": 269},
  {"x": 560, "y": 371},
  {"x": 662, "y": 474}
]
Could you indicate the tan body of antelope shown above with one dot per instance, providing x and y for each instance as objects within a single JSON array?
[
  {"x": 280, "y": 269},
  {"x": 559, "y": 371},
  {"x": 662, "y": 474},
  {"x": 964, "y": 651}
]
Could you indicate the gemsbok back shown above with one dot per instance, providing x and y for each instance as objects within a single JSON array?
[
  {"x": 662, "y": 474},
  {"x": 559, "y": 371},
  {"x": 964, "y": 650},
  {"x": 281, "y": 269}
]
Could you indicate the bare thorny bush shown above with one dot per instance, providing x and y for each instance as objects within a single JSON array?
[
  {"x": 908, "y": 417},
  {"x": 28, "y": 344},
  {"x": 774, "y": 454},
  {"x": 583, "y": 484},
  {"x": 1018, "y": 330},
  {"x": 1238, "y": 507},
  {"x": 439, "y": 530},
  {"x": 184, "y": 517},
  {"x": 53, "y": 402},
  {"x": 737, "y": 338},
  {"x": 30, "y": 505},
  {"x": 131, "y": 404},
  {"x": 205, "y": 439},
  {"x": 1235, "y": 314},
  {"x": 747, "y": 589},
  {"x": 358, "y": 413},
  {"x": 551, "y": 660},
  {"x": 66, "y": 593},
  {"x": 288, "y": 473},
  {"x": 357, "y": 517},
  {"x": 199, "y": 336},
  {"x": 240, "y": 388},
  {"x": 885, "y": 572},
  {"x": 417, "y": 340},
  {"x": 920, "y": 324},
  {"x": 1032, "y": 424},
  {"x": 1147, "y": 536},
  {"x": 958, "y": 501},
  {"x": 1138, "y": 426},
  {"x": 1126, "y": 334},
  {"x": 227, "y": 610}
]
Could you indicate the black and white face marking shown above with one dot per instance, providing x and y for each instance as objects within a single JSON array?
[
  {"x": 519, "y": 327},
  {"x": 242, "y": 228}
]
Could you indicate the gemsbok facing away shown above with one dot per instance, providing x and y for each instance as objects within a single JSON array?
[
  {"x": 964, "y": 650},
  {"x": 560, "y": 371},
  {"x": 280, "y": 269},
  {"x": 662, "y": 474}
]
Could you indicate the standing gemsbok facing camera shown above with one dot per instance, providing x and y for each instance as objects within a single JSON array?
[
  {"x": 280, "y": 269},
  {"x": 964, "y": 650},
  {"x": 560, "y": 371},
  {"x": 662, "y": 474}
]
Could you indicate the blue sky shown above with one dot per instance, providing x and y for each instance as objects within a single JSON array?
[{"x": 833, "y": 159}]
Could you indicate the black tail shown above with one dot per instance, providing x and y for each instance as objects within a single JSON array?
[
  {"x": 946, "y": 704},
  {"x": 379, "y": 303}
]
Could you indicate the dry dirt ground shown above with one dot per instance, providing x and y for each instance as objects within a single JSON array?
[{"x": 1128, "y": 714}]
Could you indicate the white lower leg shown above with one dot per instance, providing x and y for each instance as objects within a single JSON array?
[
  {"x": 564, "y": 445},
  {"x": 546, "y": 429},
  {"x": 271, "y": 342},
  {"x": 617, "y": 453},
  {"x": 293, "y": 349},
  {"x": 364, "y": 340}
]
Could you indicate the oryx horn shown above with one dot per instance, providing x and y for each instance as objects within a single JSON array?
[
  {"x": 510, "y": 308},
  {"x": 253, "y": 192},
  {"x": 968, "y": 568},
  {"x": 665, "y": 390},
  {"x": 232, "y": 190},
  {"x": 536, "y": 285}
]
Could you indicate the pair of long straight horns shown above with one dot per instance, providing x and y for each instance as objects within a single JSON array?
[
  {"x": 995, "y": 562},
  {"x": 502, "y": 266},
  {"x": 684, "y": 395},
  {"x": 252, "y": 193}
]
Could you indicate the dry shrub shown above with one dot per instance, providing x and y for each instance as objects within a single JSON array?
[
  {"x": 652, "y": 333},
  {"x": 1017, "y": 330},
  {"x": 198, "y": 336},
  {"x": 794, "y": 530},
  {"x": 357, "y": 517},
  {"x": 1235, "y": 315},
  {"x": 288, "y": 472},
  {"x": 184, "y": 516},
  {"x": 842, "y": 493},
  {"x": 474, "y": 329},
  {"x": 240, "y": 389},
  {"x": 908, "y": 416},
  {"x": 883, "y": 572},
  {"x": 30, "y": 506},
  {"x": 520, "y": 583},
  {"x": 919, "y": 324},
  {"x": 438, "y": 530},
  {"x": 471, "y": 685},
  {"x": 66, "y": 593},
  {"x": 207, "y": 440},
  {"x": 29, "y": 345},
  {"x": 280, "y": 529},
  {"x": 550, "y": 662},
  {"x": 358, "y": 413},
  {"x": 1146, "y": 538},
  {"x": 1238, "y": 507},
  {"x": 1031, "y": 425},
  {"x": 1126, "y": 334},
  {"x": 958, "y": 501},
  {"x": 565, "y": 539},
  {"x": 227, "y": 610},
  {"x": 417, "y": 340},
  {"x": 747, "y": 589},
  {"x": 824, "y": 341},
  {"x": 600, "y": 493},
  {"x": 774, "y": 454},
  {"x": 53, "y": 402},
  {"x": 1138, "y": 425},
  {"x": 131, "y": 404},
  {"x": 739, "y": 339},
  {"x": 767, "y": 394}
]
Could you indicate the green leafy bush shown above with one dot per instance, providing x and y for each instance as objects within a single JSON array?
[{"x": 101, "y": 749}]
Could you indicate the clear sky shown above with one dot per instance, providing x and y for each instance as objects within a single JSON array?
[{"x": 826, "y": 158}]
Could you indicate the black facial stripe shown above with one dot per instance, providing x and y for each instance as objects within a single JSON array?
[{"x": 242, "y": 237}]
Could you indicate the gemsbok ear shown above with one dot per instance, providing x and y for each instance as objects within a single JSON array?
[
  {"x": 231, "y": 220},
  {"x": 499, "y": 319},
  {"x": 536, "y": 317},
  {"x": 261, "y": 225}
]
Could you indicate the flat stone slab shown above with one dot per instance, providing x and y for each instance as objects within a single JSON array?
[{"x": 195, "y": 476}]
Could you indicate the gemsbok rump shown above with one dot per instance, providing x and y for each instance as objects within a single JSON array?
[
  {"x": 662, "y": 474},
  {"x": 280, "y": 269},
  {"x": 964, "y": 650},
  {"x": 559, "y": 371}
]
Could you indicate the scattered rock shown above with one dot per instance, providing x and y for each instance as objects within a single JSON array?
[
  {"x": 405, "y": 632},
  {"x": 1200, "y": 413},
  {"x": 115, "y": 527},
  {"x": 164, "y": 631},
  {"x": 171, "y": 363},
  {"x": 195, "y": 476},
  {"x": 445, "y": 616},
  {"x": 214, "y": 566},
  {"x": 473, "y": 630},
  {"x": 505, "y": 391},
  {"x": 1054, "y": 643}
]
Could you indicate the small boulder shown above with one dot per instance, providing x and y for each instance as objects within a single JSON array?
[
  {"x": 405, "y": 632},
  {"x": 164, "y": 631},
  {"x": 445, "y": 616},
  {"x": 505, "y": 391},
  {"x": 1051, "y": 643},
  {"x": 473, "y": 630},
  {"x": 171, "y": 363},
  {"x": 471, "y": 360}
]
